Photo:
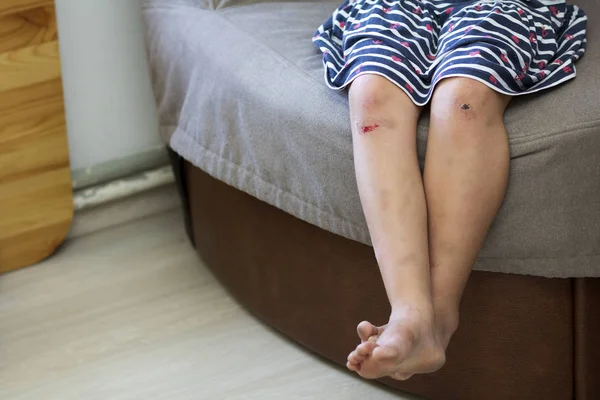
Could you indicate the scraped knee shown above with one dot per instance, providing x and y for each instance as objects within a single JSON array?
[
  {"x": 368, "y": 128},
  {"x": 369, "y": 105},
  {"x": 376, "y": 103}
]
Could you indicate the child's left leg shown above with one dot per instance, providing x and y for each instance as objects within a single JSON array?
[{"x": 466, "y": 175}]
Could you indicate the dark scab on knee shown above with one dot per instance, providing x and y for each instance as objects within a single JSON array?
[{"x": 467, "y": 111}]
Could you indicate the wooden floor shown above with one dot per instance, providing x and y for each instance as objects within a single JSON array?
[{"x": 130, "y": 313}]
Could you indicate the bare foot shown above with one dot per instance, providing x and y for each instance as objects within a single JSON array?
[{"x": 408, "y": 344}]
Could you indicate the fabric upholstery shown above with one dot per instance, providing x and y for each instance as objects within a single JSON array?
[{"x": 241, "y": 95}]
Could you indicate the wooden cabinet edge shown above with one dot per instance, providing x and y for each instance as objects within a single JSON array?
[{"x": 8, "y": 7}]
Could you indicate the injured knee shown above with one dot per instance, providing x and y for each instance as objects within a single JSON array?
[
  {"x": 468, "y": 112},
  {"x": 366, "y": 126},
  {"x": 366, "y": 129}
]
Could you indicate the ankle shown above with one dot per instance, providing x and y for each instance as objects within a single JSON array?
[
  {"x": 416, "y": 309},
  {"x": 449, "y": 323},
  {"x": 447, "y": 319}
]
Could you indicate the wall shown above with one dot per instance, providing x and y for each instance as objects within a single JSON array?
[{"x": 109, "y": 104}]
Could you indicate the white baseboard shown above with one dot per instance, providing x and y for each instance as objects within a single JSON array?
[
  {"x": 122, "y": 188},
  {"x": 125, "y": 209},
  {"x": 146, "y": 160},
  {"x": 122, "y": 191}
]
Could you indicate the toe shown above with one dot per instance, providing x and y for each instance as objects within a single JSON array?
[
  {"x": 352, "y": 366},
  {"x": 385, "y": 353},
  {"x": 365, "y": 349},
  {"x": 370, "y": 370},
  {"x": 365, "y": 330},
  {"x": 355, "y": 357}
]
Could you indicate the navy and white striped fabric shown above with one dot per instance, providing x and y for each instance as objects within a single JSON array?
[{"x": 513, "y": 46}]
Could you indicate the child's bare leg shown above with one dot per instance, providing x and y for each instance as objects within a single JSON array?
[
  {"x": 466, "y": 174},
  {"x": 384, "y": 124}
]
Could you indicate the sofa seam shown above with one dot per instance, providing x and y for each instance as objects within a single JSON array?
[{"x": 540, "y": 136}]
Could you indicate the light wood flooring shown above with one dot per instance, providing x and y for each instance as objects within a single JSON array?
[{"x": 129, "y": 312}]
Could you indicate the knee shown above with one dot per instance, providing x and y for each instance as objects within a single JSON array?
[
  {"x": 370, "y": 94},
  {"x": 373, "y": 95},
  {"x": 465, "y": 102},
  {"x": 375, "y": 99}
]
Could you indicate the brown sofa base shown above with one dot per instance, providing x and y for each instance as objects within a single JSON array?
[{"x": 520, "y": 337}]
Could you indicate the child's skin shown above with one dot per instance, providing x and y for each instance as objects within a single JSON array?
[{"x": 426, "y": 231}]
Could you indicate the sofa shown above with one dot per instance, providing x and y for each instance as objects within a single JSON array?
[{"x": 262, "y": 152}]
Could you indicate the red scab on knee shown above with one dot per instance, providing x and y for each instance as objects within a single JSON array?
[{"x": 366, "y": 129}]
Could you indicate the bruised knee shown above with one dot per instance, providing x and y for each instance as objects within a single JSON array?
[{"x": 370, "y": 95}]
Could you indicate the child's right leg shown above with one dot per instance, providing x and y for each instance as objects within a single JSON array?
[{"x": 384, "y": 122}]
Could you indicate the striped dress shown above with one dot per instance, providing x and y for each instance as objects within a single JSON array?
[{"x": 513, "y": 46}]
